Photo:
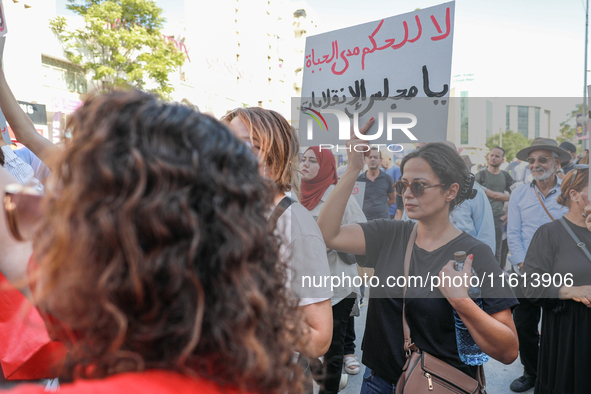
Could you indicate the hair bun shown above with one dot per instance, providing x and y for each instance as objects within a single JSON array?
[{"x": 467, "y": 191}]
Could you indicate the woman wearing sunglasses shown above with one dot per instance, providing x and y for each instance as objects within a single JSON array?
[
  {"x": 559, "y": 279},
  {"x": 319, "y": 177},
  {"x": 434, "y": 180}
]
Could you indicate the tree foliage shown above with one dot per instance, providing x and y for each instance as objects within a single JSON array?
[
  {"x": 512, "y": 143},
  {"x": 568, "y": 127},
  {"x": 120, "y": 45}
]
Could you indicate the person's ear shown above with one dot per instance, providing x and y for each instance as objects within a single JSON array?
[
  {"x": 573, "y": 194},
  {"x": 452, "y": 192}
]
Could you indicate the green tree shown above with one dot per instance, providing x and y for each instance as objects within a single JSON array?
[
  {"x": 120, "y": 45},
  {"x": 512, "y": 143},
  {"x": 568, "y": 127}
]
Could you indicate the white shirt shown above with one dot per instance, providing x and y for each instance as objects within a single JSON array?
[
  {"x": 305, "y": 251},
  {"x": 344, "y": 272},
  {"x": 20, "y": 170}
]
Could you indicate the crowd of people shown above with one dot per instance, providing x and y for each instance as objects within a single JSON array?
[{"x": 161, "y": 250}]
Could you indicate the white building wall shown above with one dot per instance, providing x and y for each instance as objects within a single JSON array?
[{"x": 242, "y": 56}]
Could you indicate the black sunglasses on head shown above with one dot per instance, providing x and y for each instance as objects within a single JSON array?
[{"x": 575, "y": 171}]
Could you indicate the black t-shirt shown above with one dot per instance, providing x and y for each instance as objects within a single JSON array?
[
  {"x": 553, "y": 251},
  {"x": 429, "y": 314},
  {"x": 375, "y": 201}
]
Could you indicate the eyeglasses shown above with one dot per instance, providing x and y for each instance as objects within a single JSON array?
[
  {"x": 575, "y": 171},
  {"x": 541, "y": 159},
  {"x": 417, "y": 188}
]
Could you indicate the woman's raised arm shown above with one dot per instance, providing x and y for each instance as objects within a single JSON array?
[
  {"x": 21, "y": 124},
  {"x": 348, "y": 238}
]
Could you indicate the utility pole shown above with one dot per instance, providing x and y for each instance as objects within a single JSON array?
[{"x": 585, "y": 111}]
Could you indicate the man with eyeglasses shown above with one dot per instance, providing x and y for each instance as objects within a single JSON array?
[
  {"x": 530, "y": 206},
  {"x": 495, "y": 183}
]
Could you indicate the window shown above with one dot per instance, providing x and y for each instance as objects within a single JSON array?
[
  {"x": 62, "y": 75},
  {"x": 537, "y": 122},
  {"x": 508, "y": 127},
  {"x": 522, "y": 120},
  {"x": 489, "y": 112},
  {"x": 464, "y": 118}
]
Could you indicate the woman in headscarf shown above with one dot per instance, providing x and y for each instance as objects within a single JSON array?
[{"x": 319, "y": 175}]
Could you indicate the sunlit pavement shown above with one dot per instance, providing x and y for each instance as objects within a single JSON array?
[{"x": 498, "y": 376}]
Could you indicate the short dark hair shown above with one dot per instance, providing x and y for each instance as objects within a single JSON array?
[
  {"x": 376, "y": 148},
  {"x": 498, "y": 147},
  {"x": 447, "y": 165}
]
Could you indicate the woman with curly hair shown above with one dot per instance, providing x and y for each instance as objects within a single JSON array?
[{"x": 154, "y": 263}]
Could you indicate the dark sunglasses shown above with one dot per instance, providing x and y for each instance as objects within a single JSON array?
[
  {"x": 417, "y": 188},
  {"x": 541, "y": 159},
  {"x": 575, "y": 171}
]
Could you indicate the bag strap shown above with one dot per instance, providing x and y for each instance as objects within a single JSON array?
[
  {"x": 508, "y": 180},
  {"x": 409, "y": 346},
  {"x": 481, "y": 177},
  {"x": 278, "y": 210},
  {"x": 541, "y": 202},
  {"x": 580, "y": 244}
]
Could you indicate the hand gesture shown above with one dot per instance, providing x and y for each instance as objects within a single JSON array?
[
  {"x": 582, "y": 294},
  {"x": 588, "y": 217},
  {"x": 358, "y": 149},
  {"x": 447, "y": 275}
]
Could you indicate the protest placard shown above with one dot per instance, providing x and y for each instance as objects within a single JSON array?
[
  {"x": 4, "y": 129},
  {"x": 359, "y": 193},
  {"x": 3, "y": 29},
  {"x": 396, "y": 70}
]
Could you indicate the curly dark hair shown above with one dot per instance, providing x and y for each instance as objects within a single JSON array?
[{"x": 156, "y": 253}]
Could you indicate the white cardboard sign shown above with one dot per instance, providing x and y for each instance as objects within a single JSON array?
[
  {"x": 4, "y": 129},
  {"x": 385, "y": 69},
  {"x": 3, "y": 28},
  {"x": 359, "y": 193}
]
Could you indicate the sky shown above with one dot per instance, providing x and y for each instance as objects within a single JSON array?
[
  {"x": 515, "y": 48},
  {"x": 173, "y": 9}
]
